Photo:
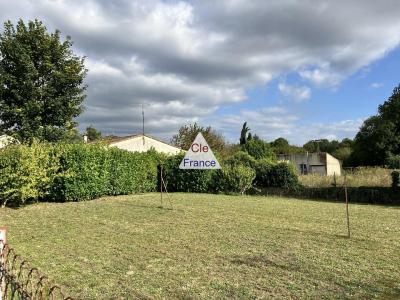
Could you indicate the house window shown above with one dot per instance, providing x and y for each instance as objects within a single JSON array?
[{"x": 303, "y": 169}]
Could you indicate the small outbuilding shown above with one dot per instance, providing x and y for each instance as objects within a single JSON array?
[
  {"x": 6, "y": 140},
  {"x": 308, "y": 163},
  {"x": 142, "y": 143}
]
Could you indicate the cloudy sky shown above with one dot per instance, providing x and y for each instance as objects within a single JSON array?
[{"x": 297, "y": 69}]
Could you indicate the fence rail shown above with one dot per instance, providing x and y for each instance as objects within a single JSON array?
[{"x": 20, "y": 280}]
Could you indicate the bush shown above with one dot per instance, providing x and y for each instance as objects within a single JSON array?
[
  {"x": 281, "y": 175},
  {"x": 177, "y": 180},
  {"x": 395, "y": 179},
  {"x": 131, "y": 172},
  {"x": 241, "y": 158},
  {"x": 91, "y": 171},
  {"x": 26, "y": 173},
  {"x": 237, "y": 179},
  {"x": 259, "y": 149},
  {"x": 393, "y": 161},
  {"x": 83, "y": 173}
]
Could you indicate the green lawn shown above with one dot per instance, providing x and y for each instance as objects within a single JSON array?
[{"x": 211, "y": 246}]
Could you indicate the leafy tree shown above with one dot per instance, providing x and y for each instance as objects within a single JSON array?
[
  {"x": 322, "y": 145},
  {"x": 41, "y": 82},
  {"x": 282, "y": 146},
  {"x": 346, "y": 142},
  {"x": 92, "y": 133},
  {"x": 187, "y": 133},
  {"x": 243, "y": 134},
  {"x": 259, "y": 149},
  {"x": 342, "y": 153},
  {"x": 378, "y": 140}
]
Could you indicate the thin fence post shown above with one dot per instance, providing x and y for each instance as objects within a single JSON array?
[{"x": 347, "y": 206}]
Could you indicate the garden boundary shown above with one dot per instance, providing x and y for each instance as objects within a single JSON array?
[{"x": 20, "y": 280}]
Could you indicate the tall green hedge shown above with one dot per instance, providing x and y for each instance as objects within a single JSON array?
[
  {"x": 26, "y": 173},
  {"x": 73, "y": 172},
  {"x": 83, "y": 173}
]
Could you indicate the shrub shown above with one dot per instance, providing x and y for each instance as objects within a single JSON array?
[
  {"x": 131, "y": 172},
  {"x": 275, "y": 175},
  {"x": 259, "y": 149},
  {"x": 263, "y": 170},
  {"x": 237, "y": 179},
  {"x": 91, "y": 171},
  {"x": 393, "y": 161},
  {"x": 396, "y": 179},
  {"x": 177, "y": 180},
  {"x": 26, "y": 173},
  {"x": 83, "y": 173},
  {"x": 241, "y": 158}
]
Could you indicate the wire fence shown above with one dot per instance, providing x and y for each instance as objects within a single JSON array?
[{"x": 20, "y": 280}]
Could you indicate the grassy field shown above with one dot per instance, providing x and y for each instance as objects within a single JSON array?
[
  {"x": 211, "y": 246},
  {"x": 365, "y": 176}
]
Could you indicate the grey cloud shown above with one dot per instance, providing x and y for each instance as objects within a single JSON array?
[{"x": 187, "y": 59}]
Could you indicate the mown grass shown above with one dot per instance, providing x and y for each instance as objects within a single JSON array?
[
  {"x": 364, "y": 176},
  {"x": 211, "y": 246}
]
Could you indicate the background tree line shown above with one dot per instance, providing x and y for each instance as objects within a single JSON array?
[{"x": 377, "y": 142}]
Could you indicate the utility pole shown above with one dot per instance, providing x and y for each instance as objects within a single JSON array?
[{"x": 142, "y": 124}]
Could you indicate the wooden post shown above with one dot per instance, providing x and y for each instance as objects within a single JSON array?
[{"x": 347, "y": 206}]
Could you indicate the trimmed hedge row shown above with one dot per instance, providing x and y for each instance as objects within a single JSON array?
[{"x": 73, "y": 172}]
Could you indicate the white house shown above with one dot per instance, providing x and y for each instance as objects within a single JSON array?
[
  {"x": 6, "y": 140},
  {"x": 142, "y": 143},
  {"x": 321, "y": 163}
]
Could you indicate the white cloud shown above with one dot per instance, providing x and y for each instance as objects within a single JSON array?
[
  {"x": 185, "y": 59},
  {"x": 297, "y": 93},
  {"x": 376, "y": 85}
]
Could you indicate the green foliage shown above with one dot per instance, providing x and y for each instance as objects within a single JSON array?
[
  {"x": 393, "y": 161},
  {"x": 91, "y": 171},
  {"x": 41, "y": 82},
  {"x": 379, "y": 138},
  {"x": 73, "y": 172},
  {"x": 395, "y": 179},
  {"x": 322, "y": 145},
  {"x": 282, "y": 146},
  {"x": 93, "y": 134},
  {"x": 177, "y": 180},
  {"x": 259, "y": 149},
  {"x": 83, "y": 173},
  {"x": 280, "y": 174},
  {"x": 237, "y": 179},
  {"x": 243, "y": 134},
  {"x": 26, "y": 173},
  {"x": 187, "y": 133},
  {"x": 241, "y": 158},
  {"x": 343, "y": 154}
]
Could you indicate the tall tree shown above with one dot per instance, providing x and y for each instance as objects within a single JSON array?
[
  {"x": 258, "y": 149},
  {"x": 92, "y": 133},
  {"x": 243, "y": 134},
  {"x": 41, "y": 82},
  {"x": 378, "y": 141},
  {"x": 187, "y": 133}
]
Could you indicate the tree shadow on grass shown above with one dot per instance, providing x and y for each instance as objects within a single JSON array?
[{"x": 286, "y": 263}]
